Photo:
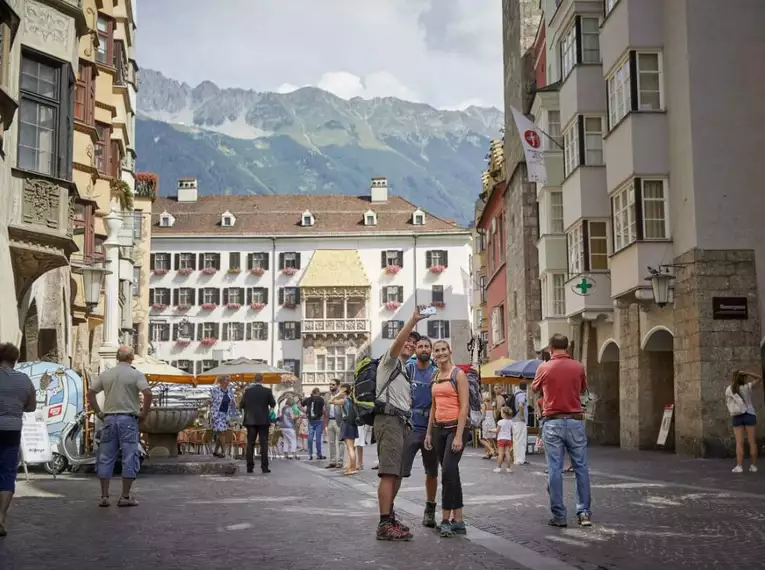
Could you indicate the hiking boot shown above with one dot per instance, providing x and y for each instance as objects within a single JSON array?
[
  {"x": 584, "y": 520},
  {"x": 392, "y": 531},
  {"x": 429, "y": 518},
  {"x": 459, "y": 527},
  {"x": 445, "y": 529},
  {"x": 558, "y": 523},
  {"x": 398, "y": 521}
]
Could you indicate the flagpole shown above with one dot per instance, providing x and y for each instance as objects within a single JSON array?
[{"x": 560, "y": 146}]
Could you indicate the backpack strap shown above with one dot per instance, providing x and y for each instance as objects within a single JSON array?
[
  {"x": 453, "y": 377},
  {"x": 390, "y": 381}
]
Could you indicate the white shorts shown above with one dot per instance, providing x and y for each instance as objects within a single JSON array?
[{"x": 361, "y": 441}]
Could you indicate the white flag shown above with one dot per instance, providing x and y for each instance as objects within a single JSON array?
[{"x": 531, "y": 139}]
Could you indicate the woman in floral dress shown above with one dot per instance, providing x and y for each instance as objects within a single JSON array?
[{"x": 222, "y": 408}]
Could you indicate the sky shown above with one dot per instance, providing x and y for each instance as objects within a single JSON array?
[{"x": 447, "y": 53}]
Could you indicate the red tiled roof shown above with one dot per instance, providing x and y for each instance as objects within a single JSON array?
[{"x": 281, "y": 215}]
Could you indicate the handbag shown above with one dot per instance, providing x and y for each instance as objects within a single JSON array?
[{"x": 735, "y": 402}]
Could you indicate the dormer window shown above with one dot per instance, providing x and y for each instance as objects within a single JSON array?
[
  {"x": 418, "y": 218},
  {"x": 166, "y": 220},
  {"x": 227, "y": 220},
  {"x": 307, "y": 219},
  {"x": 370, "y": 218}
]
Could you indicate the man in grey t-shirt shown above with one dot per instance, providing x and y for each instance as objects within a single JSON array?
[{"x": 392, "y": 424}]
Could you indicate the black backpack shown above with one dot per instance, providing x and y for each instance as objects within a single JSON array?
[{"x": 364, "y": 391}]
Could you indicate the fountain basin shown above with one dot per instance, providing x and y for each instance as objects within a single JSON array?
[{"x": 163, "y": 425}]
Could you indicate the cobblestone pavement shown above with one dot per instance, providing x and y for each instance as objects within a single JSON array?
[{"x": 649, "y": 509}]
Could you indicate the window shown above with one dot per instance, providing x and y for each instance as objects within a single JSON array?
[
  {"x": 160, "y": 262},
  {"x": 654, "y": 210},
  {"x": 186, "y": 296},
  {"x": 623, "y": 214},
  {"x": 556, "y": 212},
  {"x": 370, "y": 218},
  {"x": 553, "y": 130},
  {"x": 590, "y": 40},
  {"x": 289, "y": 296},
  {"x": 233, "y": 331},
  {"x": 289, "y": 330},
  {"x": 335, "y": 308},
  {"x": 482, "y": 286},
  {"x": 105, "y": 29},
  {"x": 391, "y": 329},
  {"x": 208, "y": 330},
  {"x": 227, "y": 221},
  {"x": 438, "y": 329},
  {"x": 437, "y": 294},
  {"x": 619, "y": 98},
  {"x": 137, "y": 225},
  {"x": 136, "y": 281},
  {"x": 257, "y": 331},
  {"x": 307, "y": 219},
  {"x": 575, "y": 241},
  {"x": 436, "y": 258},
  {"x": 292, "y": 365},
  {"x": 186, "y": 261},
  {"x": 597, "y": 246},
  {"x": 85, "y": 94},
  {"x": 392, "y": 294},
  {"x": 165, "y": 222},
  {"x": 233, "y": 296},
  {"x": 84, "y": 225},
  {"x": 103, "y": 147},
  {"x": 418, "y": 218},
  {"x": 649, "y": 80},
  {"x": 234, "y": 260},
  {"x": 257, "y": 295},
  {"x": 498, "y": 324},
  {"x": 186, "y": 365},
  {"x": 45, "y": 137},
  {"x": 580, "y": 44},
  {"x": 209, "y": 296},
  {"x": 558, "y": 295},
  {"x": 159, "y": 332},
  {"x": 568, "y": 52},
  {"x": 183, "y": 330},
  {"x": 119, "y": 62},
  {"x": 6, "y": 37},
  {"x": 593, "y": 141},
  {"x": 210, "y": 261},
  {"x": 257, "y": 261},
  {"x": 571, "y": 148},
  {"x": 392, "y": 258},
  {"x": 289, "y": 260},
  {"x": 336, "y": 360},
  {"x": 208, "y": 365},
  {"x": 159, "y": 296}
]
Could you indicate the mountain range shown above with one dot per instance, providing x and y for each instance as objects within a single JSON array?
[{"x": 309, "y": 141}]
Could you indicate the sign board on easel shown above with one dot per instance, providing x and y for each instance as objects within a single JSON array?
[
  {"x": 35, "y": 442},
  {"x": 666, "y": 423}
]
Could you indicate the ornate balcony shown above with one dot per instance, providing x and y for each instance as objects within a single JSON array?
[{"x": 334, "y": 326}]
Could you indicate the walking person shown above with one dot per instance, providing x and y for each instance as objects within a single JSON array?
[
  {"x": 314, "y": 407},
  {"x": 349, "y": 431},
  {"x": 504, "y": 432},
  {"x": 421, "y": 370},
  {"x": 563, "y": 380},
  {"x": 520, "y": 425},
  {"x": 289, "y": 435},
  {"x": 391, "y": 425},
  {"x": 257, "y": 403},
  {"x": 17, "y": 395},
  {"x": 488, "y": 428},
  {"x": 333, "y": 421},
  {"x": 446, "y": 433},
  {"x": 738, "y": 398},
  {"x": 222, "y": 409},
  {"x": 122, "y": 415}
]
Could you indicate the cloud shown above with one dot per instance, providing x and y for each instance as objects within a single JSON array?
[{"x": 443, "y": 52}]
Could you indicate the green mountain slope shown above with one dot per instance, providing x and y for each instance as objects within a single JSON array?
[{"x": 309, "y": 141}]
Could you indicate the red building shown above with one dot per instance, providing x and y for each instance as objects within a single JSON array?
[{"x": 492, "y": 222}]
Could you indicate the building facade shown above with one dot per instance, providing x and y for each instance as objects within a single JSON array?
[
  {"x": 653, "y": 193},
  {"x": 479, "y": 310},
  {"x": 306, "y": 283}
]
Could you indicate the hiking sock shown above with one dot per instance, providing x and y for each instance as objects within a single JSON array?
[
  {"x": 430, "y": 506},
  {"x": 385, "y": 519}
]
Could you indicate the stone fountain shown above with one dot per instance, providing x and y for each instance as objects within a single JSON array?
[{"x": 163, "y": 425}]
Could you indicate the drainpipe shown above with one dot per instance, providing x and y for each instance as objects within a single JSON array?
[
  {"x": 414, "y": 275},
  {"x": 274, "y": 333}
]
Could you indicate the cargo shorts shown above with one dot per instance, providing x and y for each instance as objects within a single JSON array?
[{"x": 391, "y": 434}]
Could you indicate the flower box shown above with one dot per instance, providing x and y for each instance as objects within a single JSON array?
[
  {"x": 392, "y": 269},
  {"x": 438, "y": 269},
  {"x": 183, "y": 341},
  {"x": 185, "y": 271},
  {"x": 209, "y": 341},
  {"x": 182, "y": 307},
  {"x": 289, "y": 305},
  {"x": 160, "y": 271},
  {"x": 234, "y": 270},
  {"x": 209, "y": 306},
  {"x": 257, "y": 306},
  {"x": 159, "y": 307},
  {"x": 257, "y": 271},
  {"x": 289, "y": 271},
  {"x": 392, "y": 305},
  {"x": 439, "y": 304},
  {"x": 233, "y": 306},
  {"x": 209, "y": 271}
]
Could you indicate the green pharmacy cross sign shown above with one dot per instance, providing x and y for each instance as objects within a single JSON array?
[{"x": 583, "y": 287}]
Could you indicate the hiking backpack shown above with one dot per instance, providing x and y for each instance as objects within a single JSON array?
[
  {"x": 474, "y": 384},
  {"x": 364, "y": 391}
]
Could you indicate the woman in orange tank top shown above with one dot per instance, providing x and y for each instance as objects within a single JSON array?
[{"x": 446, "y": 432}]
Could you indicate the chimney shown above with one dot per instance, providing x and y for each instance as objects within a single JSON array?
[
  {"x": 379, "y": 190},
  {"x": 187, "y": 190}
]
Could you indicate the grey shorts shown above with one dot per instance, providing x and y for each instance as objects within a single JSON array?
[
  {"x": 416, "y": 442},
  {"x": 391, "y": 433}
]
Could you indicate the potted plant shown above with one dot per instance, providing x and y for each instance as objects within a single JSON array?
[
  {"x": 439, "y": 304},
  {"x": 209, "y": 271},
  {"x": 182, "y": 307},
  {"x": 208, "y": 306},
  {"x": 289, "y": 305},
  {"x": 185, "y": 271},
  {"x": 209, "y": 341},
  {"x": 159, "y": 307},
  {"x": 392, "y": 305},
  {"x": 233, "y": 306},
  {"x": 257, "y": 306},
  {"x": 438, "y": 268},
  {"x": 289, "y": 271},
  {"x": 183, "y": 341},
  {"x": 234, "y": 270},
  {"x": 257, "y": 271},
  {"x": 159, "y": 271},
  {"x": 392, "y": 269}
]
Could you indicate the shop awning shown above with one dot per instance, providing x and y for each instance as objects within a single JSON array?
[{"x": 489, "y": 370}]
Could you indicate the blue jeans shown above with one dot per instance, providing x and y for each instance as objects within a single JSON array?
[
  {"x": 315, "y": 433},
  {"x": 120, "y": 432},
  {"x": 560, "y": 436}
]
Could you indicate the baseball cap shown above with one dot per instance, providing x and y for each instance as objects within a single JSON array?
[{"x": 415, "y": 336}]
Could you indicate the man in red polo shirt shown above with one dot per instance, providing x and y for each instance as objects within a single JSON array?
[{"x": 563, "y": 380}]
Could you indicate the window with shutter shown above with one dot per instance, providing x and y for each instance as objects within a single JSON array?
[
  {"x": 115, "y": 159},
  {"x": 151, "y": 296},
  {"x": 151, "y": 262},
  {"x": 428, "y": 259},
  {"x": 176, "y": 297},
  {"x": 225, "y": 296},
  {"x": 281, "y": 261},
  {"x": 175, "y": 331},
  {"x": 234, "y": 263},
  {"x": 432, "y": 329},
  {"x": 437, "y": 294},
  {"x": 281, "y": 331},
  {"x": 103, "y": 148},
  {"x": 217, "y": 296},
  {"x": 281, "y": 295}
]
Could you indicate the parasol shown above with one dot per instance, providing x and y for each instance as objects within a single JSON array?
[
  {"x": 158, "y": 371},
  {"x": 244, "y": 370},
  {"x": 521, "y": 369}
]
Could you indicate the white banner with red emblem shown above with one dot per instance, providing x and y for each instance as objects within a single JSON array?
[{"x": 531, "y": 139}]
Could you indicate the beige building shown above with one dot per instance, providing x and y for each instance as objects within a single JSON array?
[{"x": 662, "y": 127}]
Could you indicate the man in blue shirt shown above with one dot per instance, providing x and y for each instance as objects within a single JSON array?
[{"x": 420, "y": 369}]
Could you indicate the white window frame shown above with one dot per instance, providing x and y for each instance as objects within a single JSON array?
[
  {"x": 604, "y": 239},
  {"x": 337, "y": 356},
  {"x": 185, "y": 329},
  {"x": 290, "y": 330},
  {"x": 136, "y": 284},
  {"x": 554, "y": 131},
  {"x": 186, "y": 296},
  {"x": 258, "y": 330},
  {"x": 435, "y": 257},
  {"x": 568, "y": 51},
  {"x": 557, "y": 295},
  {"x": 258, "y": 295},
  {"x": 619, "y": 92},
  {"x": 665, "y": 207},
  {"x": 186, "y": 260},
  {"x": 208, "y": 330},
  {"x": 593, "y": 141},
  {"x": 208, "y": 295},
  {"x": 642, "y": 74},
  {"x": 165, "y": 222},
  {"x": 162, "y": 261},
  {"x": 556, "y": 212},
  {"x": 208, "y": 364},
  {"x": 228, "y": 221},
  {"x": 439, "y": 328},
  {"x": 391, "y": 257},
  {"x": 593, "y": 33},
  {"x": 498, "y": 324},
  {"x": 235, "y": 331},
  {"x": 575, "y": 248},
  {"x": 624, "y": 222},
  {"x": 392, "y": 328},
  {"x": 290, "y": 295},
  {"x": 162, "y": 296},
  {"x": 290, "y": 260},
  {"x": 571, "y": 147},
  {"x": 610, "y": 5},
  {"x": 234, "y": 296},
  {"x": 158, "y": 330},
  {"x": 209, "y": 260}
]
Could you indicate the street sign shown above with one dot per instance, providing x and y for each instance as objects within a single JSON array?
[
  {"x": 584, "y": 286},
  {"x": 666, "y": 423},
  {"x": 730, "y": 308}
]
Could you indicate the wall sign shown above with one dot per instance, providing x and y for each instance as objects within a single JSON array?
[{"x": 730, "y": 308}]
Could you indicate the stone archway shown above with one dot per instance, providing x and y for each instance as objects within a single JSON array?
[
  {"x": 608, "y": 398},
  {"x": 30, "y": 335},
  {"x": 658, "y": 349}
]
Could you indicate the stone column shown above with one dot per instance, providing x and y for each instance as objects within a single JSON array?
[
  {"x": 708, "y": 351},
  {"x": 108, "y": 350},
  {"x": 602, "y": 411}
]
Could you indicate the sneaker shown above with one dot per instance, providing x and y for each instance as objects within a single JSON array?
[
  {"x": 390, "y": 530},
  {"x": 445, "y": 529},
  {"x": 398, "y": 521},
  {"x": 459, "y": 527},
  {"x": 752, "y": 469},
  {"x": 429, "y": 518},
  {"x": 310, "y": 458},
  {"x": 497, "y": 470},
  {"x": 559, "y": 523},
  {"x": 584, "y": 520},
  {"x": 104, "y": 502},
  {"x": 127, "y": 502},
  {"x": 738, "y": 469}
]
